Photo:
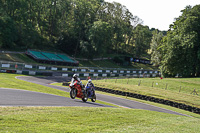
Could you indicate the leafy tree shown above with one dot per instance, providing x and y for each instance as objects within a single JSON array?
[
  {"x": 8, "y": 33},
  {"x": 183, "y": 45},
  {"x": 142, "y": 39},
  {"x": 122, "y": 22},
  {"x": 74, "y": 26},
  {"x": 100, "y": 37},
  {"x": 156, "y": 47}
]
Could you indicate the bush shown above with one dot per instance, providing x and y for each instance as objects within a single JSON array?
[{"x": 118, "y": 60}]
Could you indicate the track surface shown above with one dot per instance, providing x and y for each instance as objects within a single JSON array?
[
  {"x": 11, "y": 97},
  {"x": 14, "y": 97}
]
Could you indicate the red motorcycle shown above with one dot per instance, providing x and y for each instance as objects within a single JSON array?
[{"x": 76, "y": 91}]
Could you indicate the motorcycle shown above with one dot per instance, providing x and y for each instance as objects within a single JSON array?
[
  {"x": 76, "y": 91},
  {"x": 91, "y": 93}
]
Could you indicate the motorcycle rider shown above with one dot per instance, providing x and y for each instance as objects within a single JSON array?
[
  {"x": 90, "y": 85},
  {"x": 75, "y": 78}
]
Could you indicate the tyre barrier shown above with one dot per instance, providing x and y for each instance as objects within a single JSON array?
[
  {"x": 152, "y": 99},
  {"x": 65, "y": 84}
]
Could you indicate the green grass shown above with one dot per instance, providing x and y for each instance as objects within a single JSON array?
[
  {"x": 182, "y": 85},
  {"x": 25, "y": 58},
  {"x": 143, "y": 66},
  {"x": 84, "y": 119},
  {"x": 94, "y": 120},
  {"x": 16, "y": 58},
  {"x": 111, "y": 64},
  {"x": 158, "y": 90},
  {"x": 101, "y": 63}
]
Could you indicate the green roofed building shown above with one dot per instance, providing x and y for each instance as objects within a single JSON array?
[{"x": 51, "y": 58}]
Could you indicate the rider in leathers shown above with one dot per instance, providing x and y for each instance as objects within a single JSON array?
[
  {"x": 75, "y": 78},
  {"x": 90, "y": 85}
]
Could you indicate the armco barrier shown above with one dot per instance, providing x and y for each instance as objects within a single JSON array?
[
  {"x": 54, "y": 72},
  {"x": 152, "y": 99}
]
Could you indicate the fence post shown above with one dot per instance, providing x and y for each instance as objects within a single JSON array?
[
  {"x": 128, "y": 80},
  {"x": 139, "y": 82},
  {"x": 166, "y": 87},
  {"x": 126, "y": 93},
  {"x": 116, "y": 80},
  {"x": 180, "y": 89},
  {"x": 23, "y": 66},
  {"x": 16, "y": 66},
  {"x": 152, "y": 83},
  {"x": 194, "y": 92}
]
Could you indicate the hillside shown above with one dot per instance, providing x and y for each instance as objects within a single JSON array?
[{"x": 109, "y": 63}]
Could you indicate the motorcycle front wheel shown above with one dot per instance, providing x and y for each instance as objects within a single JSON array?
[
  {"x": 84, "y": 99},
  {"x": 73, "y": 93},
  {"x": 93, "y": 99}
]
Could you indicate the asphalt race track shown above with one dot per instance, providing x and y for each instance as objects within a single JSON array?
[{"x": 14, "y": 97}]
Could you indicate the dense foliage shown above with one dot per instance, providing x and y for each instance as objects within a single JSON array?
[
  {"x": 77, "y": 27},
  {"x": 179, "y": 51},
  {"x": 90, "y": 28}
]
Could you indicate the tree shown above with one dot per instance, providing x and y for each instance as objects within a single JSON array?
[
  {"x": 100, "y": 37},
  {"x": 8, "y": 32},
  {"x": 156, "y": 47},
  {"x": 183, "y": 45},
  {"x": 142, "y": 39},
  {"x": 73, "y": 26},
  {"x": 122, "y": 22}
]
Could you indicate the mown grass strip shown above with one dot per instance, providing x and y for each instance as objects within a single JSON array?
[{"x": 82, "y": 119}]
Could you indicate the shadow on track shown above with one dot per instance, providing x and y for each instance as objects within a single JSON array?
[{"x": 90, "y": 103}]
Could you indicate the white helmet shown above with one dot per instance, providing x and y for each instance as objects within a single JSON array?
[
  {"x": 75, "y": 76},
  {"x": 89, "y": 80}
]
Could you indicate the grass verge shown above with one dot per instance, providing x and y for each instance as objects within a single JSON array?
[
  {"x": 112, "y": 64},
  {"x": 171, "y": 93},
  {"x": 82, "y": 119},
  {"x": 16, "y": 58}
]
